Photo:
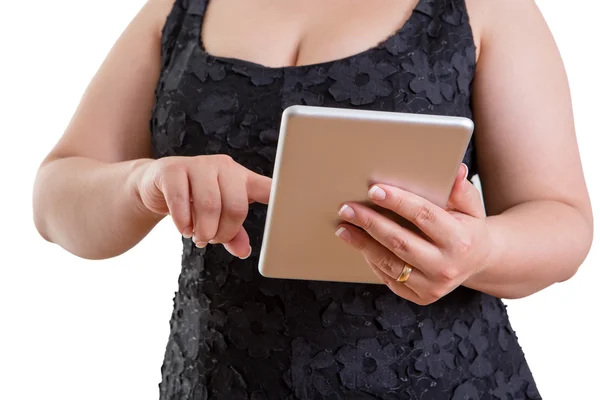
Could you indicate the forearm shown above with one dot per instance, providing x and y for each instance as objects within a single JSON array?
[
  {"x": 90, "y": 208},
  {"x": 535, "y": 245}
]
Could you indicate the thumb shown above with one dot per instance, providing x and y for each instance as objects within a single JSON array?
[
  {"x": 239, "y": 246},
  {"x": 258, "y": 188},
  {"x": 465, "y": 197}
]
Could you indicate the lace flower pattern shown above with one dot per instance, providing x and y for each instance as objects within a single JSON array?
[
  {"x": 237, "y": 335},
  {"x": 360, "y": 80},
  {"x": 255, "y": 329},
  {"x": 437, "y": 350},
  {"x": 432, "y": 80}
]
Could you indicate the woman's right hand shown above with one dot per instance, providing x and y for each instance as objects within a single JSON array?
[{"x": 207, "y": 197}]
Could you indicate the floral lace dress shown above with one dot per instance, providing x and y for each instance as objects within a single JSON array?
[{"x": 238, "y": 335}]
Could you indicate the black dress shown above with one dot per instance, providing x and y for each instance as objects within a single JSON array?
[{"x": 237, "y": 335}]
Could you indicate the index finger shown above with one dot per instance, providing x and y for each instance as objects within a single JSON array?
[
  {"x": 258, "y": 188},
  {"x": 432, "y": 220}
]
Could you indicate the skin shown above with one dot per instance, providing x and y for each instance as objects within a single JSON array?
[{"x": 98, "y": 192}]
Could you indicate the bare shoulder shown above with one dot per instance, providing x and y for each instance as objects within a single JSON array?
[
  {"x": 158, "y": 11},
  {"x": 492, "y": 19},
  {"x": 489, "y": 16},
  {"x": 166, "y": 5}
]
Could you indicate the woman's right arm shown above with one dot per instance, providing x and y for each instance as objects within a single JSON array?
[
  {"x": 98, "y": 193},
  {"x": 83, "y": 199}
]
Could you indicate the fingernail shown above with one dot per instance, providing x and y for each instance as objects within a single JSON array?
[
  {"x": 200, "y": 245},
  {"x": 346, "y": 212},
  {"x": 377, "y": 193},
  {"x": 466, "y": 172},
  {"x": 343, "y": 233},
  {"x": 249, "y": 253},
  {"x": 212, "y": 241},
  {"x": 186, "y": 235}
]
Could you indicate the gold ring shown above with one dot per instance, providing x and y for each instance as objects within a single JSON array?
[{"x": 405, "y": 274}]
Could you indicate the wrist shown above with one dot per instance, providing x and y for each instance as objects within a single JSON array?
[
  {"x": 137, "y": 170},
  {"x": 496, "y": 248}
]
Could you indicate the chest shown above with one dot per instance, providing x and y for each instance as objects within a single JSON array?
[{"x": 278, "y": 33}]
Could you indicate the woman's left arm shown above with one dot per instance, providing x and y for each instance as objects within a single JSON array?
[
  {"x": 540, "y": 217},
  {"x": 538, "y": 228}
]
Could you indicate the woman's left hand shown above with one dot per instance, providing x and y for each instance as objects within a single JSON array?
[{"x": 457, "y": 247}]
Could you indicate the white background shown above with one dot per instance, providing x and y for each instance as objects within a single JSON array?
[{"x": 76, "y": 329}]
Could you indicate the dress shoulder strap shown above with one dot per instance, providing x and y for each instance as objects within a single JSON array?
[
  {"x": 182, "y": 27},
  {"x": 452, "y": 12}
]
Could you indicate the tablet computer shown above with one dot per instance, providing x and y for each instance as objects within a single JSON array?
[{"x": 328, "y": 156}]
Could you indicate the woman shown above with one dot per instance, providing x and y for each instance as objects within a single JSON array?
[{"x": 225, "y": 72}]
